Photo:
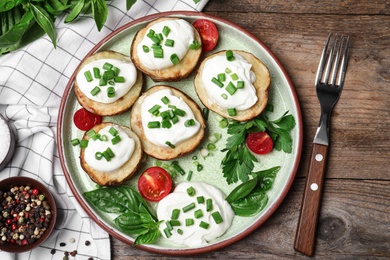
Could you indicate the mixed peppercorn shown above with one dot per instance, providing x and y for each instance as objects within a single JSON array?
[{"x": 25, "y": 215}]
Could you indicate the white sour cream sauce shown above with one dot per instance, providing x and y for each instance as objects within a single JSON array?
[
  {"x": 127, "y": 70},
  {"x": 178, "y": 132},
  {"x": 180, "y": 31},
  {"x": 243, "y": 98},
  {"x": 123, "y": 150},
  {"x": 195, "y": 236}
]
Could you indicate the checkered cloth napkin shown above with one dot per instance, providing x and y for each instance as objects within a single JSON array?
[{"x": 32, "y": 81}]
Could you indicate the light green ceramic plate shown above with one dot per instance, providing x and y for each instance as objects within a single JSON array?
[{"x": 282, "y": 96}]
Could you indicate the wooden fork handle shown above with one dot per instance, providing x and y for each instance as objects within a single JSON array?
[{"x": 307, "y": 222}]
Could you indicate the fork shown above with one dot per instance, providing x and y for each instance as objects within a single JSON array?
[{"x": 328, "y": 92}]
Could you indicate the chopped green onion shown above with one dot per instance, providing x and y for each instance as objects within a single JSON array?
[
  {"x": 154, "y": 38},
  {"x": 189, "y": 207},
  {"x": 107, "y": 66},
  {"x": 224, "y": 96},
  {"x": 194, "y": 157},
  {"x": 96, "y": 73},
  {"x": 160, "y": 36},
  {"x": 106, "y": 156},
  {"x": 110, "y": 152},
  {"x": 232, "y": 112},
  {"x": 104, "y": 138},
  {"x": 169, "y": 42},
  {"x": 165, "y": 115},
  {"x": 191, "y": 191},
  {"x": 98, "y": 156},
  {"x": 211, "y": 147},
  {"x": 108, "y": 74},
  {"x": 167, "y": 232},
  {"x": 221, "y": 77},
  {"x": 150, "y": 33},
  {"x": 240, "y": 84},
  {"x": 217, "y": 82},
  {"x": 199, "y": 167},
  {"x": 158, "y": 53},
  {"x": 228, "y": 71},
  {"x": 175, "y": 59},
  {"x": 189, "y": 222},
  {"x": 200, "y": 199},
  {"x": 116, "y": 140},
  {"x": 175, "y": 165},
  {"x": 175, "y": 222},
  {"x": 223, "y": 123},
  {"x": 154, "y": 109},
  {"x": 204, "y": 225},
  {"x": 154, "y": 124},
  {"x": 83, "y": 143},
  {"x": 91, "y": 133},
  {"x": 175, "y": 214},
  {"x": 111, "y": 92},
  {"x": 170, "y": 144},
  {"x": 209, "y": 205},
  {"x": 234, "y": 76},
  {"x": 116, "y": 71},
  {"x": 165, "y": 100},
  {"x": 102, "y": 82},
  {"x": 180, "y": 231},
  {"x": 175, "y": 119},
  {"x": 231, "y": 89},
  {"x": 145, "y": 48},
  {"x": 172, "y": 106},
  {"x": 166, "y": 31},
  {"x": 217, "y": 217},
  {"x": 198, "y": 213},
  {"x": 179, "y": 112},
  {"x": 75, "y": 142},
  {"x": 229, "y": 55},
  {"x": 166, "y": 124},
  {"x": 195, "y": 45},
  {"x": 189, "y": 175},
  {"x": 113, "y": 131},
  {"x": 156, "y": 46},
  {"x": 169, "y": 225},
  {"x": 95, "y": 90},
  {"x": 119, "y": 79},
  {"x": 205, "y": 113},
  {"x": 189, "y": 122},
  {"x": 111, "y": 82},
  {"x": 88, "y": 76}
]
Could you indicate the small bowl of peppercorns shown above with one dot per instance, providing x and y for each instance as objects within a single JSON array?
[{"x": 27, "y": 214}]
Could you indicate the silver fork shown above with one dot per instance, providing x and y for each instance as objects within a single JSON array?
[{"x": 328, "y": 92}]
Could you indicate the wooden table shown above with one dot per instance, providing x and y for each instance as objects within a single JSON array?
[{"x": 354, "y": 219}]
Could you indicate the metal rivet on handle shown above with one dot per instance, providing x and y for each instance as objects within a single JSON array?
[
  {"x": 319, "y": 157},
  {"x": 314, "y": 186}
]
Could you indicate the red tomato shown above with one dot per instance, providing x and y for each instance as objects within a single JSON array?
[
  {"x": 85, "y": 120},
  {"x": 208, "y": 32},
  {"x": 155, "y": 183},
  {"x": 259, "y": 142}
]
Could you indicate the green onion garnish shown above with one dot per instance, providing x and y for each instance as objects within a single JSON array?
[
  {"x": 154, "y": 109},
  {"x": 189, "y": 222},
  {"x": 191, "y": 191},
  {"x": 96, "y": 73},
  {"x": 75, "y": 142},
  {"x": 205, "y": 113},
  {"x": 189, "y": 175},
  {"x": 200, "y": 199},
  {"x": 98, "y": 156},
  {"x": 83, "y": 143},
  {"x": 145, "y": 48},
  {"x": 224, "y": 96},
  {"x": 108, "y": 74},
  {"x": 165, "y": 100},
  {"x": 232, "y": 112},
  {"x": 166, "y": 124},
  {"x": 119, "y": 79},
  {"x": 240, "y": 84},
  {"x": 198, "y": 213},
  {"x": 116, "y": 140},
  {"x": 189, "y": 207},
  {"x": 88, "y": 76},
  {"x": 175, "y": 59},
  {"x": 204, "y": 225},
  {"x": 209, "y": 205},
  {"x": 229, "y": 55},
  {"x": 217, "y": 82},
  {"x": 189, "y": 122},
  {"x": 234, "y": 76},
  {"x": 154, "y": 124},
  {"x": 223, "y": 123},
  {"x": 211, "y": 147},
  {"x": 194, "y": 45},
  {"x": 231, "y": 89},
  {"x": 175, "y": 214},
  {"x": 217, "y": 217},
  {"x": 113, "y": 131},
  {"x": 228, "y": 71},
  {"x": 174, "y": 119},
  {"x": 116, "y": 71},
  {"x": 166, "y": 31},
  {"x": 179, "y": 112},
  {"x": 175, "y": 222},
  {"x": 169, "y": 226},
  {"x": 199, "y": 167},
  {"x": 170, "y": 144},
  {"x": 180, "y": 231},
  {"x": 177, "y": 167},
  {"x": 111, "y": 92},
  {"x": 169, "y": 42},
  {"x": 221, "y": 77},
  {"x": 95, "y": 90},
  {"x": 102, "y": 82},
  {"x": 167, "y": 232},
  {"x": 110, "y": 152},
  {"x": 106, "y": 156},
  {"x": 107, "y": 66},
  {"x": 91, "y": 133},
  {"x": 158, "y": 53}
]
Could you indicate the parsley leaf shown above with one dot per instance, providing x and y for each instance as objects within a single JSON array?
[{"x": 238, "y": 162}]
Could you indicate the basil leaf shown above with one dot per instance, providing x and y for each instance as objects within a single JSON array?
[
  {"x": 6, "y": 5},
  {"x": 148, "y": 238},
  {"x": 242, "y": 190},
  {"x": 99, "y": 12},
  {"x": 266, "y": 178},
  {"x": 251, "y": 204},
  {"x": 76, "y": 10},
  {"x": 129, "y": 4},
  {"x": 108, "y": 200},
  {"x": 44, "y": 20}
]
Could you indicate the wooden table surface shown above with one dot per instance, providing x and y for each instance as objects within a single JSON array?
[{"x": 354, "y": 219}]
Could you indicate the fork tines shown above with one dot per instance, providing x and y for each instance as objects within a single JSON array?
[{"x": 327, "y": 58}]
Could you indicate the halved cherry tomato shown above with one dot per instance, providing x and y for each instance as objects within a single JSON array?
[
  {"x": 85, "y": 120},
  {"x": 259, "y": 142},
  {"x": 155, "y": 183},
  {"x": 208, "y": 32}
]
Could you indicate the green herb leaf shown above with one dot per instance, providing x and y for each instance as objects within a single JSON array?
[
  {"x": 108, "y": 200},
  {"x": 99, "y": 12},
  {"x": 130, "y": 3},
  {"x": 6, "y": 5},
  {"x": 242, "y": 190},
  {"x": 76, "y": 10},
  {"x": 45, "y": 22},
  {"x": 250, "y": 205}
]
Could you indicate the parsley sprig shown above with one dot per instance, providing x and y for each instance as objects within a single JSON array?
[{"x": 238, "y": 162}]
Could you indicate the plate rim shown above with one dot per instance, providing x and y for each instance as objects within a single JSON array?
[{"x": 181, "y": 251}]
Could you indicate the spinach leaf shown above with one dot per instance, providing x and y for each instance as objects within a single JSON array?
[
  {"x": 44, "y": 20},
  {"x": 99, "y": 12}
]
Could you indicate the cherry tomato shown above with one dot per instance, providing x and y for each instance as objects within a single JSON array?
[
  {"x": 85, "y": 120},
  {"x": 259, "y": 142},
  {"x": 208, "y": 32},
  {"x": 155, "y": 183}
]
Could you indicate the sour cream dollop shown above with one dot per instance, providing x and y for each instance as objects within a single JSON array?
[
  {"x": 123, "y": 150},
  {"x": 243, "y": 98},
  {"x": 194, "y": 235},
  {"x": 126, "y": 70},
  {"x": 180, "y": 31},
  {"x": 178, "y": 132}
]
